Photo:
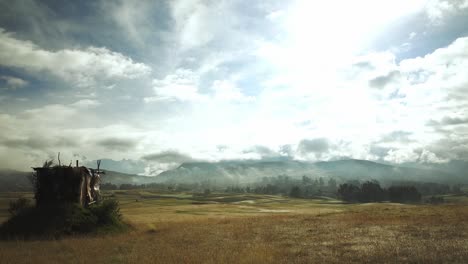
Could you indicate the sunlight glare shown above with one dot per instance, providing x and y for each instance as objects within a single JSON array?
[{"x": 325, "y": 30}]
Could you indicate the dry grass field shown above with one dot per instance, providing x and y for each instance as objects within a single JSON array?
[{"x": 221, "y": 228}]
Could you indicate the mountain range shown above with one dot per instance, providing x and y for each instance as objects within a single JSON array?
[
  {"x": 11, "y": 180},
  {"x": 245, "y": 172},
  {"x": 251, "y": 171}
]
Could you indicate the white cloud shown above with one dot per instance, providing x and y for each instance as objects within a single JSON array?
[
  {"x": 86, "y": 103},
  {"x": 33, "y": 135},
  {"x": 13, "y": 83},
  {"x": 273, "y": 77},
  {"x": 438, "y": 10},
  {"x": 182, "y": 85},
  {"x": 195, "y": 22},
  {"x": 82, "y": 67},
  {"x": 401, "y": 155},
  {"x": 131, "y": 16},
  {"x": 429, "y": 157},
  {"x": 225, "y": 90},
  {"x": 437, "y": 80},
  {"x": 345, "y": 106}
]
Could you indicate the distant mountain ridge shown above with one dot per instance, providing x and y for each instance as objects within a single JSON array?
[
  {"x": 11, "y": 180},
  {"x": 244, "y": 172},
  {"x": 231, "y": 172}
]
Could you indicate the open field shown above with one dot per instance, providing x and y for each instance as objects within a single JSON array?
[{"x": 225, "y": 228}]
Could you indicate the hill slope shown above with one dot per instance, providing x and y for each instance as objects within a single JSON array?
[
  {"x": 251, "y": 171},
  {"x": 11, "y": 180},
  {"x": 240, "y": 172}
]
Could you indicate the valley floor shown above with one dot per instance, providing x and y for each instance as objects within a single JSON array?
[{"x": 223, "y": 228}]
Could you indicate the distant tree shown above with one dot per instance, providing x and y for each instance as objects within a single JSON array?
[
  {"x": 295, "y": 192},
  {"x": 332, "y": 184},
  {"x": 207, "y": 191},
  {"x": 271, "y": 189},
  {"x": 348, "y": 192},
  {"x": 306, "y": 180},
  {"x": 354, "y": 182},
  {"x": 456, "y": 189},
  {"x": 316, "y": 182},
  {"x": 321, "y": 182},
  {"x": 127, "y": 186},
  {"x": 309, "y": 191},
  {"x": 371, "y": 192},
  {"x": 109, "y": 186},
  {"x": 402, "y": 194}
]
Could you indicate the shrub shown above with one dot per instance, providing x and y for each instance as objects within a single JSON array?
[
  {"x": 56, "y": 220},
  {"x": 108, "y": 214},
  {"x": 16, "y": 206}
]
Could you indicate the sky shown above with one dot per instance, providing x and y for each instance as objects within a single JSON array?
[{"x": 164, "y": 82}]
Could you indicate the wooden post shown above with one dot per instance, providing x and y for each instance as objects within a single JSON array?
[{"x": 77, "y": 163}]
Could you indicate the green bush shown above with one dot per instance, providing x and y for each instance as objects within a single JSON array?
[
  {"x": 57, "y": 220},
  {"x": 81, "y": 220},
  {"x": 108, "y": 214}
]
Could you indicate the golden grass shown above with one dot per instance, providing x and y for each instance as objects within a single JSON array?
[{"x": 170, "y": 230}]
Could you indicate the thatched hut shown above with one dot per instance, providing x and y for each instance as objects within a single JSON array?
[{"x": 66, "y": 184}]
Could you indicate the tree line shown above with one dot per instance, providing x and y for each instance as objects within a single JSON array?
[
  {"x": 371, "y": 191},
  {"x": 304, "y": 187}
]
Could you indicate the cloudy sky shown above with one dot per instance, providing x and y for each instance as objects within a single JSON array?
[{"x": 163, "y": 82}]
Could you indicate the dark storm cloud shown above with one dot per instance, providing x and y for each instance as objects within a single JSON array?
[
  {"x": 317, "y": 146},
  {"x": 382, "y": 81},
  {"x": 118, "y": 144},
  {"x": 167, "y": 156},
  {"x": 39, "y": 143},
  {"x": 33, "y": 143}
]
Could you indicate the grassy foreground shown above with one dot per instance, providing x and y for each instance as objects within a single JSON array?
[{"x": 221, "y": 228}]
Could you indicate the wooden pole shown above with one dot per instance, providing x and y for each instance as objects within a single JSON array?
[{"x": 76, "y": 163}]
